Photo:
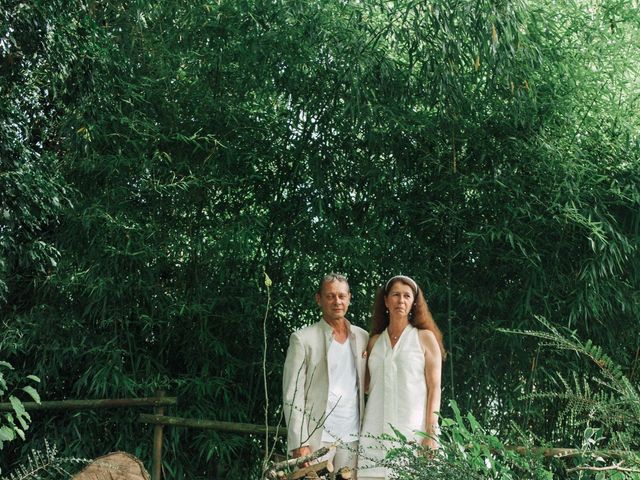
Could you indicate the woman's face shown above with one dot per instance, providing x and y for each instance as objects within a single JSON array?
[{"x": 399, "y": 299}]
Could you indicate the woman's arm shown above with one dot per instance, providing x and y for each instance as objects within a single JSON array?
[{"x": 432, "y": 374}]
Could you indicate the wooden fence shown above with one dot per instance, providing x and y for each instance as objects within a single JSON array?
[
  {"x": 159, "y": 402},
  {"x": 159, "y": 420}
]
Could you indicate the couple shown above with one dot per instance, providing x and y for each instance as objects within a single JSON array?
[{"x": 331, "y": 364}]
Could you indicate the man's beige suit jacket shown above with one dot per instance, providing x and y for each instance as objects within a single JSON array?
[{"x": 306, "y": 381}]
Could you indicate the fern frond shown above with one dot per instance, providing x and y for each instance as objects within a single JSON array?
[
  {"x": 42, "y": 465},
  {"x": 553, "y": 338},
  {"x": 609, "y": 398}
]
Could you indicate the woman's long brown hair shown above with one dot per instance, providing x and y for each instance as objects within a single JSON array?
[{"x": 419, "y": 316}]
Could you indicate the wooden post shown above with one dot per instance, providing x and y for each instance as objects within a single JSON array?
[{"x": 156, "y": 473}]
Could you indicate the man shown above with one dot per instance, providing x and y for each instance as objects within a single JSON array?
[{"x": 323, "y": 381}]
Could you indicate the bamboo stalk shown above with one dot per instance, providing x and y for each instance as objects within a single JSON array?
[
  {"x": 93, "y": 404},
  {"x": 231, "y": 427}
]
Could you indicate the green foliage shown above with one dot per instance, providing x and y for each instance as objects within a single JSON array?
[
  {"x": 33, "y": 192},
  {"x": 14, "y": 423},
  {"x": 608, "y": 419},
  {"x": 157, "y": 157},
  {"x": 603, "y": 400},
  {"x": 467, "y": 450}
]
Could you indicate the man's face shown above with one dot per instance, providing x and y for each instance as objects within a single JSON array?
[{"x": 334, "y": 300}]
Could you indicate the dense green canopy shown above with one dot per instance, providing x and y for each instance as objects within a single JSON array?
[{"x": 157, "y": 157}]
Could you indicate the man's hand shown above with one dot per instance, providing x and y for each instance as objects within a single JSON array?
[{"x": 301, "y": 452}]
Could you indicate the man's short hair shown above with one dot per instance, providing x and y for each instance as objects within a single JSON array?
[{"x": 333, "y": 277}]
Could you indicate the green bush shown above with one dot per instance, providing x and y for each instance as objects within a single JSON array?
[
  {"x": 14, "y": 422},
  {"x": 603, "y": 405},
  {"x": 467, "y": 451}
]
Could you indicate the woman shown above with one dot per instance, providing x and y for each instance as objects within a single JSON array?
[{"x": 405, "y": 355}]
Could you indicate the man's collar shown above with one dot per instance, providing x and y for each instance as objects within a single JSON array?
[{"x": 328, "y": 329}]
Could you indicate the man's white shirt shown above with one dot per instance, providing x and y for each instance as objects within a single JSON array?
[{"x": 342, "y": 403}]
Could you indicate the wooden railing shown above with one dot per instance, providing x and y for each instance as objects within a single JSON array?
[
  {"x": 159, "y": 420},
  {"x": 159, "y": 402},
  {"x": 94, "y": 404}
]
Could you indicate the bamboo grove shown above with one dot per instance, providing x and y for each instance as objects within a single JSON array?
[{"x": 157, "y": 157}]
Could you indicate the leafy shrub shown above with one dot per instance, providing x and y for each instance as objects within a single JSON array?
[
  {"x": 14, "y": 423},
  {"x": 467, "y": 451},
  {"x": 604, "y": 404}
]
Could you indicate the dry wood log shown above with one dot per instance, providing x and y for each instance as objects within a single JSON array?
[
  {"x": 114, "y": 466},
  {"x": 317, "y": 469},
  {"x": 568, "y": 452},
  {"x": 271, "y": 472}
]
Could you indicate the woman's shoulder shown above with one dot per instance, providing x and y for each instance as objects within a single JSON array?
[{"x": 428, "y": 341}]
